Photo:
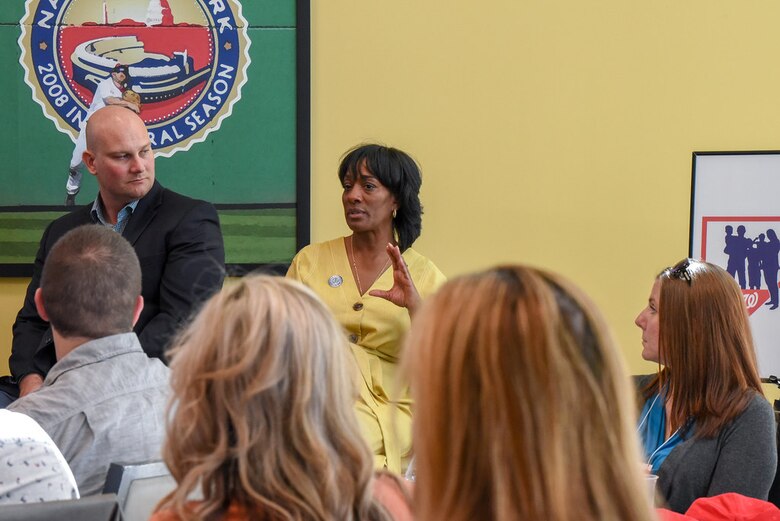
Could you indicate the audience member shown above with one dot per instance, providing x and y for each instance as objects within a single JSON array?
[
  {"x": 177, "y": 240},
  {"x": 382, "y": 208},
  {"x": 523, "y": 409},
  {"x": 104, "y": 400},
  {"x": 32, "y": 468},
  {"x": 706, "y": 427},
  {"x": 262, "y": 421}
]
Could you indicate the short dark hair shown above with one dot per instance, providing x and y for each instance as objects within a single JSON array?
[
  {"x": 400, "y": 174},
  {"x": 90, "y": 282}
]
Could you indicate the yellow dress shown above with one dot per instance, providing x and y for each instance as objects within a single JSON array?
[{"x": 376, "y": 329}]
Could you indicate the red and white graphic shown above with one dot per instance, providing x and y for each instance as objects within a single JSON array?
[{"x": 187, "y": 61}]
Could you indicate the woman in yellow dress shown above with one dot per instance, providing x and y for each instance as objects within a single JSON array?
[{"x": 351, "y": 274}]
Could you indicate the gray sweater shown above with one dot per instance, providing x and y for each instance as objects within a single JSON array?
[{"x": 742, "y": 458}]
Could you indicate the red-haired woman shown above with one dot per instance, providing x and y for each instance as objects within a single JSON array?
[{"x": 705, "y": 425}]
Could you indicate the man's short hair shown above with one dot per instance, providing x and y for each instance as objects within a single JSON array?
[{"x": 90, "y": 283}]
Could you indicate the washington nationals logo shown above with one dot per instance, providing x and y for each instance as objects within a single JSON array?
[{"x": 186, "y": 61}]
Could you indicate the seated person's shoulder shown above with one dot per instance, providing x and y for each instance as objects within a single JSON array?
[
  {"x": 641, "y": 380},
  {"x": 312, "y": 257},
  {"x": 234, "y": 513},
  {"x": 169, "y": 197},
  {"x": 32, "y": 467},
  {"x": 67, "y": 222},
  {"x": 46, "y": 406},
  {"x": 427, "y": 276},
  {"x": 310, "y": 251},
  {"x": 20, "y": 430},
  {"x": 164, "y": 515},
  {"x": 415, "y": 260},
  {"x": 183, "y": 213},
  {"x": 394, "y": 494},
  {"x": 16, "y": 423},
  {"x": 760, "y": 407}
]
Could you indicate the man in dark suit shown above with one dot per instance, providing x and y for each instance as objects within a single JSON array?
[{"x": 177, "y": 239}]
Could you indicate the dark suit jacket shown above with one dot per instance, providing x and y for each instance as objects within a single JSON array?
[{"x": 182, "y": 256}]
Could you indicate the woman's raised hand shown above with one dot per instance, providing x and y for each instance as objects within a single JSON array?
[{"x": 403, "y": 293}]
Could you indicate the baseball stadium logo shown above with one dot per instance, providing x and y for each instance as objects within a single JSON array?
[{"x": 182, "y": 63}]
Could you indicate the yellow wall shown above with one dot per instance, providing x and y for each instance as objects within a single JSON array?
[
  {"x": 11, "y": 297},
  {"x": 552, "y": 133}
]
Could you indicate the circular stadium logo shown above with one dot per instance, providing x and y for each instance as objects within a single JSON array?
[{"x": 186, "y": 61}]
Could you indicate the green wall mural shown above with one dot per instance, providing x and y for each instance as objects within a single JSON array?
[{"x": 223, "y": 88}]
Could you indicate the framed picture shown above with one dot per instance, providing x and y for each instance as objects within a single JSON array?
[
  {"x": 224, "y": 90},
  {"x": 735, "y": 221}
]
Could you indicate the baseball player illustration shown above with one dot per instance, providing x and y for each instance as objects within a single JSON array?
[{"x": 114, "y": 90}]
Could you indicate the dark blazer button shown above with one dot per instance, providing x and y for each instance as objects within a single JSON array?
[
  {"x": 353, "y": 338},
  {"x": 357, "y": 306}
]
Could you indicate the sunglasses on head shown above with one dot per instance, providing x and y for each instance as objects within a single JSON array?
[{"x": 681, "y": 271}]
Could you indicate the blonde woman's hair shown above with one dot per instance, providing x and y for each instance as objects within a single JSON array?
[
  {"x": 523, "y": 407},
  {"x": 262, "y": 412}
]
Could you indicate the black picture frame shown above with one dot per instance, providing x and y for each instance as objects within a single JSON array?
[{"x": 303, "y": 145}]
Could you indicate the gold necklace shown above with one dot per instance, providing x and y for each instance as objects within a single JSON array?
[{"x": 355, "y": 268}]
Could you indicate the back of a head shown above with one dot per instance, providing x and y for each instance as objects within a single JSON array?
[
  {"x": 706, "y": 344},
  {"x": 90, "y": 282},
  {"x": 107, "y": 121},
  {"x": 262, "y": 415},
  {"x": 523, "y": 408}
]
